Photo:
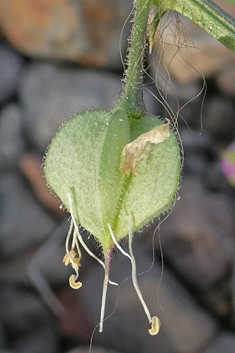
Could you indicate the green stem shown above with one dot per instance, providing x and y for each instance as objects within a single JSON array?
[
  {"x": 207, "y": 15},
  {"x": 132, "y": 96}
]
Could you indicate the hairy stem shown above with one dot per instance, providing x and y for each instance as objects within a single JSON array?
[{"x": 132, "y": 95}]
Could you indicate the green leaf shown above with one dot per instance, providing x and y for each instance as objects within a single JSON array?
[{"x": 83, "y": 160}]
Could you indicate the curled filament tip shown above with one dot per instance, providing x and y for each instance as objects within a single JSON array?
[
  {"x": 155, "y": 326},
  {"x": 72, "y": 257},
  {"x": 72, "y": 282}
]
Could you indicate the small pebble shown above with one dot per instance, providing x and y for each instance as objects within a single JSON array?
[
  {"x": 12, "y": 144},
  {"x": 11, "y": 65},
  {"x": 223, "y": 343},
  {"x": 23, "y": 223}
]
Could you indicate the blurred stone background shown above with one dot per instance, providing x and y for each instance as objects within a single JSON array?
[{"x": 58, "y": 57}]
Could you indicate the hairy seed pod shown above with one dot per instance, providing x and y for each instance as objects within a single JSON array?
[{"x": 114, "y": 167}]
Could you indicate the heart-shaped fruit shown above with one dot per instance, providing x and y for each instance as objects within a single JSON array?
[{"x": 88, "y": 160}]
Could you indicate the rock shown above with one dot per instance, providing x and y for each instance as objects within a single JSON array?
[
  {"x": 21, "y": 310},
  {"x": 51, "y": 94},
  {"x": 2, "y": 337},
  {"x": 232, "y": 296},
  {"x": 87, "y": 32},
  {"x": 27, "y": 321},
  {"x": 11, "y": 140},
  {"x": 94, "y": 350},
  {"x": 153, "y": 107},
  {"x": 31, "y": 165},
  {"x": 185, "y": 327},
  {"x": 218, "y": 117},
  {"x": 14, "y": 270},
  {"x": 197, "y": 235},
  {"x": 198, "y": 148},
  {"x": 215, "y": 178},
  {"x": 73, "y": 323},
  {"x": 195, "y": 163},
  {"x": 11, "y": 64},
  {"x": 42, "y": 339},
  {"x": 47, "y": 265},
  {"x": 224, "y": 342},
  {"x": 23, "y": 223},
  {"x": 226, "y": 79},
  {"x": 43, "y": 269},
  {"x": 48, "y": 260},
  {"x": 198, "y": 142}
]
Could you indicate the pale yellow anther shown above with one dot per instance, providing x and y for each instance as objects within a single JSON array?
[
  {"x": 72, "y": 259},
  {"x": 72, "y": 282},
  {"x": 66, "y": 260},
  {"x": 155, "y": 326}
]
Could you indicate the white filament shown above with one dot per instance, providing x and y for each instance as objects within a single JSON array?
[
  {"x": 133, "y": 265},
  {"x": 104, "y": 293}
]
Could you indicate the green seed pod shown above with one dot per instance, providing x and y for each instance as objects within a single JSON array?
[
  {"x": 109, "y": 168},
  {"x": 114, "y": 174}
]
